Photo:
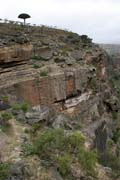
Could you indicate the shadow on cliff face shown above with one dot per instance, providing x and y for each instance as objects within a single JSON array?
[{"x": 101, "y": 138}]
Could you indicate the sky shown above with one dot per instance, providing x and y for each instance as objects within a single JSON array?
[{"x": 99, "y": 19}]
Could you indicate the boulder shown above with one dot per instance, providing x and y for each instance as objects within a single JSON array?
[
  {"x": 70, "y": 61},
  {"x": 38, "y": 115},
  {"x": 60, "y": 121}
]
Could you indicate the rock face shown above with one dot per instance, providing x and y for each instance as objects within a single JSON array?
[
  {"x": 56, "y": 72},
  {"x": 17, "y": 53},
  {"x": 53, "y": 88},
  {"x": 61, "y": 72},
  {"x": 55, "y": 69}
]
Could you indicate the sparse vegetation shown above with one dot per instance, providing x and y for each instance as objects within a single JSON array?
[
  {"x": 37, "y": 58},
  {"x": 43, "y": 73},
  {"x": 64, "y": 164},
  {"x": 55, "y": 146},
  {"x": 4, "y": 171},
  {"x": 114, "y": 115},
  {"x": 4, "y": 99},
  {"x": 6, "y": 116},
  {"x": 22, "y": 106},
  {"x": 4, "y": 121},
  {"x": 36, "y": 66},
  {"x": 88, "y": 160}
]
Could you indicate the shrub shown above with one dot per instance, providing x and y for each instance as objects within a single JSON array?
[
  {"x": 87, "y": 159},
  {"x": 116, "y": 135},
  {"x": 16, "y": 107},
  {"x": 43, "y": 143},
  {"x": 28, "y": 149},
  {"x": 36, "y": 57},
  {"x": 36, "y": 66},
  {"x": 6, "y": 116},
  {"x": 23, "y": 106},
  {"x": 4, "y": 121},
  {"x": 35, "y": 127},
  {"x": 54, "y": 146},
  {"x": 114, "y": 115},
  {"x": 4, "y": 171},
  {"x": 44, "y": 73},
  {"x": 64, "y": 164},
  {"x": 4, "y": 99},
  {"x": 75, "y": 140}
]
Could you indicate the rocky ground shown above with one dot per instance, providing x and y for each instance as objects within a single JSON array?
[{"x": 59, "y": 106}]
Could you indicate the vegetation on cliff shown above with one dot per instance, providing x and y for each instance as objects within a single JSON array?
[{"x": 71, "y": 130}]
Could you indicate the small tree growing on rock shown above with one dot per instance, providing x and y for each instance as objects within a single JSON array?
[{"x": 24, "y": 16}]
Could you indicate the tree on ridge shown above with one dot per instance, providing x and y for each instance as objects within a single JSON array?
[{"x": 24, "y": 16}]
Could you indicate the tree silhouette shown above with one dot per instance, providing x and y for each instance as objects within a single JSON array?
[{"x": 24, "y": 16}]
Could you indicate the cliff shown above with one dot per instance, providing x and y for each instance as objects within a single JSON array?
[{"x": 66, "y": 80}]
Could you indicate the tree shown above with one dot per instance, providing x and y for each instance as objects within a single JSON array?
[{"x": 24, "y": 16}]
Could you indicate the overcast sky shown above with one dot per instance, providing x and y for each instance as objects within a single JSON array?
[{"x": 99, "y": 19}]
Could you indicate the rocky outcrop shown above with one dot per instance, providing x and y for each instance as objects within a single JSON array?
[{"x": 14, "y": 55}]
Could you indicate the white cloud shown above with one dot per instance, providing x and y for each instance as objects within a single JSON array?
[{"x": 97, "y": 18}]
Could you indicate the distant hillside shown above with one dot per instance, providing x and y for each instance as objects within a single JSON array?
[{"x": 112, "y": 49}]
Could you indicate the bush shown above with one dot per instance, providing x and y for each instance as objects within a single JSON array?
[
  {"x": 44, "y": 73},
  {"x": 44, "y": 143},
  {"x": 114, "y": 115},
  {"x": 28, "y": 149},
  {"x": 4, "y": 171},
  {"x": 6, "y": 116},
  {"x": 36, "y": 57},
  {"x": 116, "y": 135},
  {"x": 16, "y": 107},
  {"x": 75, "y": 140},
  {"x": 35, "y": 127},
  {"x": 4, "y": 99},
  {"x": 64, "y": 164},
  {"x": 36, "y": 66},
  {"x": 88, "y": 160},
  {"x": 23, "y": 106},
  {"x": 54, "y": 146}
]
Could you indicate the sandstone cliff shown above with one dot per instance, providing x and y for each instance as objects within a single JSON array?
[{"x": 65, "y": 78}]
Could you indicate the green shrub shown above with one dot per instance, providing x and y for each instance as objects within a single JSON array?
[
  {"x": 43, "y": 143},
  {"x": 87, "y": 159},
  {"x": 4, "y": 122},
  {"x": 28, "y": 149},
  {"x": 75, "y": 140},
  {"x": 4, "y": 171},
  {"x": 116, "y": 135},
  {"x": 53, "y": 145},
  {"x": 4, "y": 99},
  {"x": 44, "y": 73},
  {"x": 114, "y": 115},
  {"x": 23, "y": 106},
  {"x": 6, "y": 116},
  {"x": 36, "y": 57},
  {"x": 64, "y": 164},
  {"x": 36, "y": 66},
  {"x": 35, "y": 127},
  {"x": 16, "y": 107}
]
